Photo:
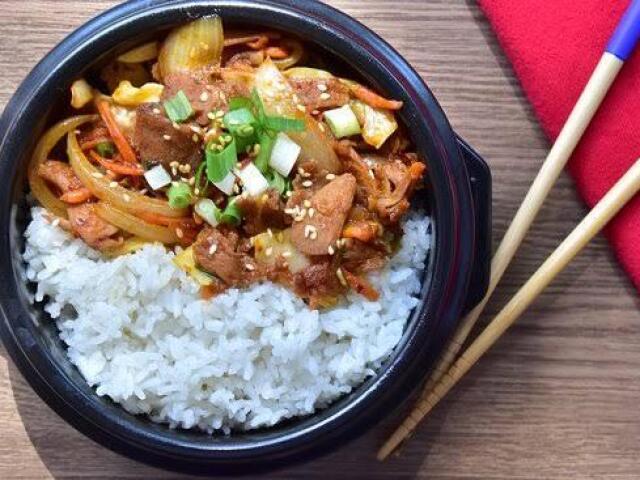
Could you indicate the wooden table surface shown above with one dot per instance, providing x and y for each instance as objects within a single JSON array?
[{"x": 558, "y": 397}]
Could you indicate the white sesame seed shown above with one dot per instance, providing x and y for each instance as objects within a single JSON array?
[
  {"x": 211, "y": 116},
  {"x": 321, "y": 127},
  {"x": 325, "y": 96},
  {"x": 195, "y": 138},
  {"x": 289, "y": 194},
  {"x": 204, "y": 96},
  {"x": 307, "y": 183},
  {"x": 249, "y": 267},
  {"x": 286, "y": 254},
  {"x": 179, "y": 232},
  {"x": 371, "y": 174},
  {"x": 301, "y": 107},
  {"x": 174, "y": 164},
  {"x": 268, "y": 252},
  {"x": 270, "y": 232},
  {"x": 340, "y": 276},
  {"x": 322, "y": 87},
  {"x": 331, "y": 250},
  {"x": 126, "y": 197},
  {"x": 97, "y": 175},
  {"x": 295, "y": 98},
  {"x": 315, "y": 112},
  {"x": 330, "y": 176},
  {"x": 307, "y": 203},
  {"x": 143, "y": 191},
  {"x": 167, "y": 137},
  {"x": 113, "y": 184},
  {"x": 192, "y": 181},
  {"x": 55, "y": 222},
  {"x": 213, "y": 248},
  {"x": 157, "y": 111},
  {"x": 311, "y": 212},
  {"x": 176, "y": 126}
]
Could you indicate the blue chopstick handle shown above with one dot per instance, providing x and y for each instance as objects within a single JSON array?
[{"x": 627, "y": 33}]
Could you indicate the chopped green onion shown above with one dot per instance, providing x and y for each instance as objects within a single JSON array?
[
  {"x": 221, "y": 157},
  {"x": 258, "y": 105},
  {"x": 237, "y": 103},
  {"x": 236, "y": 119},
  {"x": 179, "y": 195},
  {"x": 276, "y": 181},
  {"x": 208, "y": 211},
  {"x": 200, "y": 185},
  {"x": 178, "y": 108},
  {"x": 231, "y": 214},
  {"x": 282, "y": 124},
  {"x": 106, "y": 149},
  {"x": 342, "y": 121},
  {"x": 266, "y": 142}
]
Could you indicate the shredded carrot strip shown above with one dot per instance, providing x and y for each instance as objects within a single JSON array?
[
  {"x": 360, "y": 285},
  {"x": 121, "y": 168},
  {"x": 277, "y": 53},
  {"x": 93, "y": 143},
  {"x": 416, "y": 170},
  {"x": 363, "y": 231},
  {"x": 79, "y": 195},
  {"x": 118, "y": 137},
  {"x": 373, "y": 99}
]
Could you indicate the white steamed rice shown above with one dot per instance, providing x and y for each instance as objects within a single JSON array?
[{"x": 139, "y": 332}]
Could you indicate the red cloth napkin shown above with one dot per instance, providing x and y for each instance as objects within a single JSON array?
[{"x": 554, "y": 46}]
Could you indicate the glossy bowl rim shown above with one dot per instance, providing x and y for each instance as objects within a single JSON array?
[{"x": 444, "y": 300}]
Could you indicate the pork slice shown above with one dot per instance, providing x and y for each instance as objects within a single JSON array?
[
  {"x": 320, "y": 94},
  {"x": 262, "y": 212},
  {"x": 219, "y": 251},
  {"x": 331, "y": 204},
  {"x": 157, "y": 141},
  {"x": 60, "y": 174},
  {"x": 86, "y": 223}
]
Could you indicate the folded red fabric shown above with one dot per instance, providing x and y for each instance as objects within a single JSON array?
[{"x": 554, "y": 46}]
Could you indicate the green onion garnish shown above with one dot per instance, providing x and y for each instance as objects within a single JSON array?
[
  {"x": 178, "y": 108},
  {"x": 235, "y": 120},
  {"x": 221, "y": 157},
  {"x": 276, "y": 181},
  {"x": 266, "y": 142},
  {"x": 202, "y": 188},
  {"x": 282, "y": 124},
  {"x": 106, "y": 149},
  {"x": 179, "y": 195},
  {"x": 240, "y": 102},
  {"x": 231, "y": 214}
]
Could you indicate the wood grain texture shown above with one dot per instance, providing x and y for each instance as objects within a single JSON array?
[{"x": 556, "y": 398}]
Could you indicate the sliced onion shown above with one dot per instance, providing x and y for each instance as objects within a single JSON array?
[
  {"x": 129, "y": 96},
  {"x": 296, "y": 51},
  {"x": 284, "y": 154},
  {"x": 157, "y": 177},
  {"x": 134, "y": 225},
  {"x": 81, "y": 93},
  {"x": 119, "y": 197},
  {"x": 141, "y": 54},
  {"x": 38, "y": 186},
  {"x": 307, "y": 73},
  {"x": 130, "y": 245},
  {"x": 192, "y": 47},
  {"x": 226, "y": 184}
]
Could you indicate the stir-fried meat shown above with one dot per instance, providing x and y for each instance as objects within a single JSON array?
[
  {"x": 221, "y": 251},
  {"x": 360, "y": 257},
  {"x": 260, "y": 213},
  {"x": 91, "y": 228},
  {"x": 204, "y": 96},
  {"x": 397, "y": 181},
  {"x": 319, "y": 284},
  {"x": 246, "y": 60},
  {"x": 95, "y": 134},
  {"x": 158, "y": 141},
  {"x": 320, "y": 94},
  {"x": 318, "y": 231},
  {"x": 367, "y": 191},
  {"x": 60, "y": 174},
  {"x": 116, "y": 72}
]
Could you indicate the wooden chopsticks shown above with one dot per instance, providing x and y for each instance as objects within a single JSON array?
[{"x": 447, "y": 373}]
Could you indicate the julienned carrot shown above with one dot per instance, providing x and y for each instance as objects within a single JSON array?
[
  {"x": 360, "y": 285},
  {"x": 116, "y": 167},
  {"x": 373, "y": 99},
  {"x": 79, "y": 195},
  {"x": 88, "y": 145},
  {"x": 416, "y": 170},
  {"x": 128, "y": 155},
  {"x": 362, "y": 230},
  {"x": 277, "y": 53}
]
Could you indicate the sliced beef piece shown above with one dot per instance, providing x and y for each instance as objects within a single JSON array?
[
  {"x": 319, "y": 284},
  {"x": 260, "y": 213},
  {"x": 60, "y": 174},
  {"x": 221, "y": 252},
  {"x": 96, "y": 233},
  {"x": 157, "y": 141},
  {"x": 96, "y": 133},
  {"x": 204, "y": 95},
  {"x": 360, "y": 257},
  {"x": 319, "y": 94},
  {"x": 314, "y": 234}
]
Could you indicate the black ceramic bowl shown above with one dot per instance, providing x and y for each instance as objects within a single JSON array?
[{"x": 455, "y": 279}]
